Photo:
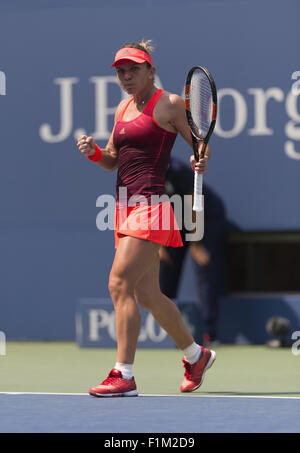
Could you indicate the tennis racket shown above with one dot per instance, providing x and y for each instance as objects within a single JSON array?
[{"x": 201, "y": 112}]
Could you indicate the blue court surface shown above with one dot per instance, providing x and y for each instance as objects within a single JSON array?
[{"x": 81, "y": 413}]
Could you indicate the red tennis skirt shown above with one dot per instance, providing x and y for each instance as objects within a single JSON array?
[{"x": 154, "y": 223}]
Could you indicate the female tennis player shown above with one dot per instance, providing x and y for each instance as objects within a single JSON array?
[{"x": 145, "y": 129}]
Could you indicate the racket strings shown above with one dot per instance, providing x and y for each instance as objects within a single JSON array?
[{"x": 201, "y": 102}]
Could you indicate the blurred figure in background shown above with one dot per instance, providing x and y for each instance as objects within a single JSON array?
[{"x": 208, "y": 255}]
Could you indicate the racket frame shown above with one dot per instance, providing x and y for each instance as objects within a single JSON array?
[{"x": 196, "y": 137}]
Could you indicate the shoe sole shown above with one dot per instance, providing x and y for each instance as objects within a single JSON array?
[
  {"x": 209, "y": 364},
  {"x": 112, "y": 395}
]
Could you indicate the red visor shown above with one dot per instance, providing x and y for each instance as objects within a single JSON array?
[{"x": 132, "y": 54}]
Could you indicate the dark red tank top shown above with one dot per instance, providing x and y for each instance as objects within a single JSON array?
[{"x": 144, "y": 153}]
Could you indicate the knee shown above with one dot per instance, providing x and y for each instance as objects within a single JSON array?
[
  {"x": 118, "y": 287},
  {"x": 144, "y": 298}
]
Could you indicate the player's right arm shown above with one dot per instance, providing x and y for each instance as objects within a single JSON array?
[{"x": 109, "y": 158}]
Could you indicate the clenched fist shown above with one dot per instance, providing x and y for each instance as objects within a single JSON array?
[{"x": 86, "y": 145}]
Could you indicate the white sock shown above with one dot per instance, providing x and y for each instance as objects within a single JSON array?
[
  {"x": 192, "y": 353},
  {"x": 126, "y": 369}
]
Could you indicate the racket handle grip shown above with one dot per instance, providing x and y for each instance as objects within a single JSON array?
[{"x": 198, "y": 181}]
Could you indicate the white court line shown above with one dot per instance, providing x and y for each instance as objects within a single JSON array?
[{"x": 165, "y": 396}]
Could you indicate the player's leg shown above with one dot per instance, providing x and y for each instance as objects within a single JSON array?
[
  {"x": 132, "y": 260},
  {"x": 148, "y": 294},
  {"x": 171, "y": 265},
  {"x": 197, "y": 360}
]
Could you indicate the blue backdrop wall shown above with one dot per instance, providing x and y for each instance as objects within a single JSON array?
[{"x": 56, "y": 82}]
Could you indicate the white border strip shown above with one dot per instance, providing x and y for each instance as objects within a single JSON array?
[{"x": 165, "y": 396}]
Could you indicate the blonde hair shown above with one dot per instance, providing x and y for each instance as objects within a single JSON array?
[
  {"x": 142, "y": 45},
  {"x": 146, "y": 45}
]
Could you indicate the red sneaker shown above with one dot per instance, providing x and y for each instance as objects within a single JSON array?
[
  {"x": 194, "y": 374},
  {"x": 115, "y": 385}
]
